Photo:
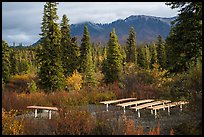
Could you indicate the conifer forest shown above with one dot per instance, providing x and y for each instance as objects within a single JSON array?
[{"x": 76, "y": 77}]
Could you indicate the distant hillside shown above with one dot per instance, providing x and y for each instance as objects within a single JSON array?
[{"x": 147, "y": 29}]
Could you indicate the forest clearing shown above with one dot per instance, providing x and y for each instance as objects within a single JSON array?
[{"x": 60, "y": 87}]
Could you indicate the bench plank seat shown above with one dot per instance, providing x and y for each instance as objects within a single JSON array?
[
  {"x": 41, "y": 107},
  {"x": 150, "y": 104},
  {"x": 134, "y": 102},
  {"x": 116, "y": 101}
]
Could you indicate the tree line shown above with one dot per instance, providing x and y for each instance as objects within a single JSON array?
[{"x": 58, "y": 55}]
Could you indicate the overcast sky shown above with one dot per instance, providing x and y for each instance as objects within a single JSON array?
[{"x": 21, "y": 21}]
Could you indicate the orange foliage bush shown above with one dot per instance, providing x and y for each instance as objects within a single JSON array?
[
  {"x": 12, "y": 100},
  {"x": 74, "y": 122},
  {"x": 58, "y": 99},
  {"x": 155, "y": 131},
  {"x": 130, "y": 128}
]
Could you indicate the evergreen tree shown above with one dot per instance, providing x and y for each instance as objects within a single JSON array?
[
  {"x": 142, "y": 57},
  {"x": 70, "y": 49},
  {"x": 74, "y": 62},
  {"x": 104, "y": 52},
  {"x": 86, "y": 59},
  {"x": 84, "y": 50},
  {"x": 153, "y": 50},
  {"x": 131, "y": 47},
  {"x": 89, "y": 78},
  {"x": 99, "y": 57},
  {"x": 44, "y": 26},
  {"x": 51, "y": 71},
  {"x": 112, "y": 67},
  {"x": 23, "y": 66},
  {"x": 123, "y": 54},
  {"x": 94, "y": 54},
  {"x": 161, "y": 50},
  {"x": 65, "y": 28},
  {"x": 5, "y": 61},
  {"x": 14, "y": 62},
  {"x": 147, "y": 57},
  {"x": 185, "y": 39}
]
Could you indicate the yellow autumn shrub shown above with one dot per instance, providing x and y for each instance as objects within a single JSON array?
[
  {"x": 75, "y": 81},
  {"x": 10, "y": 125},
  {"x": 159, "y": 74},
  {"x": 26, "y": 77}
]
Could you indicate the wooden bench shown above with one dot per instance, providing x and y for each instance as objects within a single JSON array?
[
  {"x": 134, "y": 103},
  {"x": 116, "y": 101},
  {"x": 168, "y": 105},
  {"x": 42, "y": 108},
  {"x": 151, "y": 104}
]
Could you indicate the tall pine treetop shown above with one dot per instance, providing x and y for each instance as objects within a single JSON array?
[
  {"x": 44, "y": 22},
  {"x": 52, "y": 11},
  {"x": 131, "y": 46},
  {"x": 84, "y": 49},
  {"x": 112, "y": 66},
  {"x": 86, "y": 35},
  {"x": 65, "y": 28}
]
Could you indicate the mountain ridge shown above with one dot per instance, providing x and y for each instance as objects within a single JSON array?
[{"x": 147, "y": 29}]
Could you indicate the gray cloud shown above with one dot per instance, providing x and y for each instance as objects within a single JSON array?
[{"x": 21, "y": 21}]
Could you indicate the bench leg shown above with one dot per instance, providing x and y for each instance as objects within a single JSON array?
[
  {"x": 168, "y": 110},
  {"x": 124, "y": 110},
  {"x": 106, "y": 107},
  {"x": 155, "y": 113},
  {"x": 49, "y": 114},
  {"x": 163, "y": 107},
  {"x": 151, "y": 111},
  {"x": 138, "y": 113},
  {"x": 36, "y": 112},
  {"x": 181, "y": 107}
]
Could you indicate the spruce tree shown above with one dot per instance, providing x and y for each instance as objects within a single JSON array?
[
  {"x": 104, "y": 52},
  {"x": 141, "y": 57},
  {"x": 98, "y": 57},
  {"x": 5, "y": 61},
  {"x": 65, "y": 28},
  {"x": 123, "y": 54},
  {"x": 89, "y": 73},
  {"x": 161, "y": 50},
  {"x": 184, "y": 42},
  {"x": 84, "y": 49},
  {"x": 44, "y": 26},
  {"x": 86, "y": 59},
  {"x": 51, "y": 71},
  {"x": 69, "y": 48},
  {"x": 147, "y": 57},
  {"x": 131, "y": 47},
  {"x": 75, "y": 55},
  {"x": 94, "y": 54},
  {"x": 14, "y": 62},
  {"x": 153, "y": 49},
  {"x": 112, "y": 67}
]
